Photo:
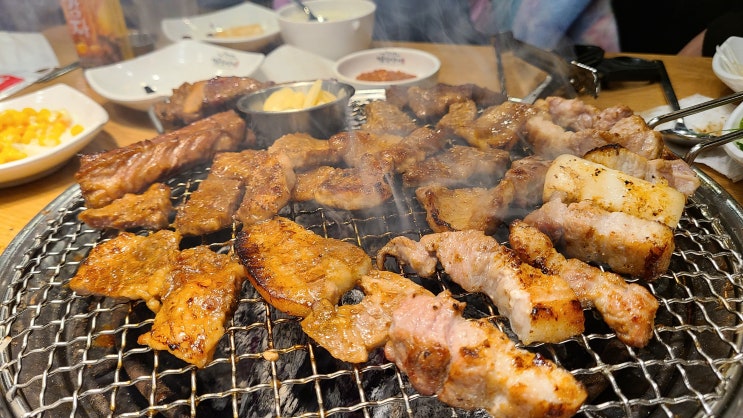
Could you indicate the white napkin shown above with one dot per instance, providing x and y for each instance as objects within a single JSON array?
[
  {"x": 24, "y": 58},
  {"x": 708, "y": 121}
]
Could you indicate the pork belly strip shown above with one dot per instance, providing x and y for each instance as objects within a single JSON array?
[
  {"x": 627, "y": 308},
  {"x": 575, "y": 114},
  {"x": 466, "y": 208},
  {"x": 203, "y": 295},
  {"x": 193, "y": 101},
  {"x": 429, "y": 103},
  {"x": 150, "y": 210},
  {"x": 107, "y": 176},
  {"x": 499, "y": 126},
  {"x": 209, "y": 208},
  {"x": 625, "y": 243},
  {"x": 267, "y": 179},
  {"x": 130, "y": 266},
  {"x": 540, "y": 307},
  {"x": 354, "y": 188},
  {"x": 470, "y": 364},
  {"x": 459, "y": 166},
  {"x": 351, "y": 332},
  {"x": 293, "y": 268},
  {"x": 673, "y": 172}
]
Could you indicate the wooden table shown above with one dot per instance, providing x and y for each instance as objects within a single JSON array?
[{"x": 459, "y": 64}]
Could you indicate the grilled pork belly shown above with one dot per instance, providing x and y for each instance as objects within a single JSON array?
[
  {"x": 351, "y": 332},
  {"x": 471, "y": 364},
  {"x": 549, "y": 140},
  {"x": 150, "y": 210},
  {"x": 459, "y": 166},
  {"x": 575, "y": 114},
  {"x": 634, "y": 134},
  {"x": 499, "y": 126},
  {"x": 540, "y": 307},
  {"x": 353, "y": 188},
  {"x": 466, "y": 208},
  {"x": 527, "y": 176},
  {"x": 130, "y": 266},
  {"x": 674, "y": 172},
  {"x": 304, "y": 151},
  {"x": 628, "y": 309},
  {"x": 211, "y": 207},
  {"x": 574, "y": 179},
  {"x": 107, "y": 176},
  {"x": 268, "y": 180},
  {"x": 293, "y": 268},
  {"x": 203, "y": 294},
  {"x": 627, "y": 244},
  {"x": 356, "y": 147},
  {"x": 384, "y": 117},
  {"x": 429, "y": 103},
  {"x": 193, "y": 101}
]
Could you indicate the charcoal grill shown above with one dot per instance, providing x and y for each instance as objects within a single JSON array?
[{"x": 66, "y": 355}]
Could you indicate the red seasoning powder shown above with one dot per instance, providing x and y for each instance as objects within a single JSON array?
[{"x": 384, "y": 75}]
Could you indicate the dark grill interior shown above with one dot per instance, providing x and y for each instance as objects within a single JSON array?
[{"x": 66, "y": 355}]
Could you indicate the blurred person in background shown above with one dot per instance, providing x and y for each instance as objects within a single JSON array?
[{"x": 688, "y": 27}]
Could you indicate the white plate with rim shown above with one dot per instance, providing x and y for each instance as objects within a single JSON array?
[
  {"x": 140, "y": 82},
  {"x": 733, "y": 122},
  {"x": 61, "y": 97},
  {"x": 422, "y": 67},
  {"x": 247, "y": 27}
]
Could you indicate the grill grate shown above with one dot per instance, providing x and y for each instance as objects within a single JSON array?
[{"x": 66, "y": 355}]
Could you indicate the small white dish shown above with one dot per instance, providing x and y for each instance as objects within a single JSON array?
[
  {"x": 140, "y": 82},
  {"x": 83, "y": 111},
  {"x": 212, "y": 27},
  {"x": 727, "y": 63},
  {"x": 289, "y": 63},
  {"x": 733, "y": 123},
  {"x": 424, "y": 67}
]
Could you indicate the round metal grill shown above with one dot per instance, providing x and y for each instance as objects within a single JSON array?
[{"x": 66, "y": 355}]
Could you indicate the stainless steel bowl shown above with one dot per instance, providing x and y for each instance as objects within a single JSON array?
[{"x": 320, "y": 121}]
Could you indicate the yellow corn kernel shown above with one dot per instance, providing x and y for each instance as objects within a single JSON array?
[{"x": 31, "y": 127}]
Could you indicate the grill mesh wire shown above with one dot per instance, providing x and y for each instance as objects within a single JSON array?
[{"x": 66, "y": 355}]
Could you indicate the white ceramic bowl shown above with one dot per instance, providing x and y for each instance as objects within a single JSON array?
[
  {"x": 348, "y": 28},
  {"x": 203, "y": 27},
  {"x": 727, "y": 63},
  {"x": 732, "y": 123},
  {"x": 422, "y": 65},
  {"x": 140, "y": 82},
  {"x": 83, "y": 111}
]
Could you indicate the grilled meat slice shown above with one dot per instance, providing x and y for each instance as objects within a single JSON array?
[
  {"x": 674, "y": 172},
  {"x": 107, "y": 176},
  {"x": 429, "y": 103},
  {"x": 130, "y": 266},
  {"x": 268, "y": 179},
  {"x": 384, "y": 117},
  {"x": 627, "y": 244},
  {"x": 627, "y": 308},
  {"x": 293, "y": 268},
  {"x": 540, "y": 307},
  {"x": 351, "y": 332},
  {"x": 304, "y": 151},
  {"x": 459, "y": 166},
  {"x": 466, "y": 208},
  {"x": 634, "y": 134},
  {"x": 356, "y": 147},
  {"x": 574, "y": 179},
  {"x": 471, "y": 364},
  {"x": 150, "y": 210},
  {"x": 549, "y": 140},
  {"x": 204, "y": 292},
  {"x": 210, "y": 208},
  {"x": 193, "y": 101},
  {"x": 576, "y": 115},
  {"x": 353, "y": 188},
  {"x": 499, "y": 126},
  {"x": 527, "y": 176}
]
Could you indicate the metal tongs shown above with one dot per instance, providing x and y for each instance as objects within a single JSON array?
[{"x": 694, "y": 151}]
